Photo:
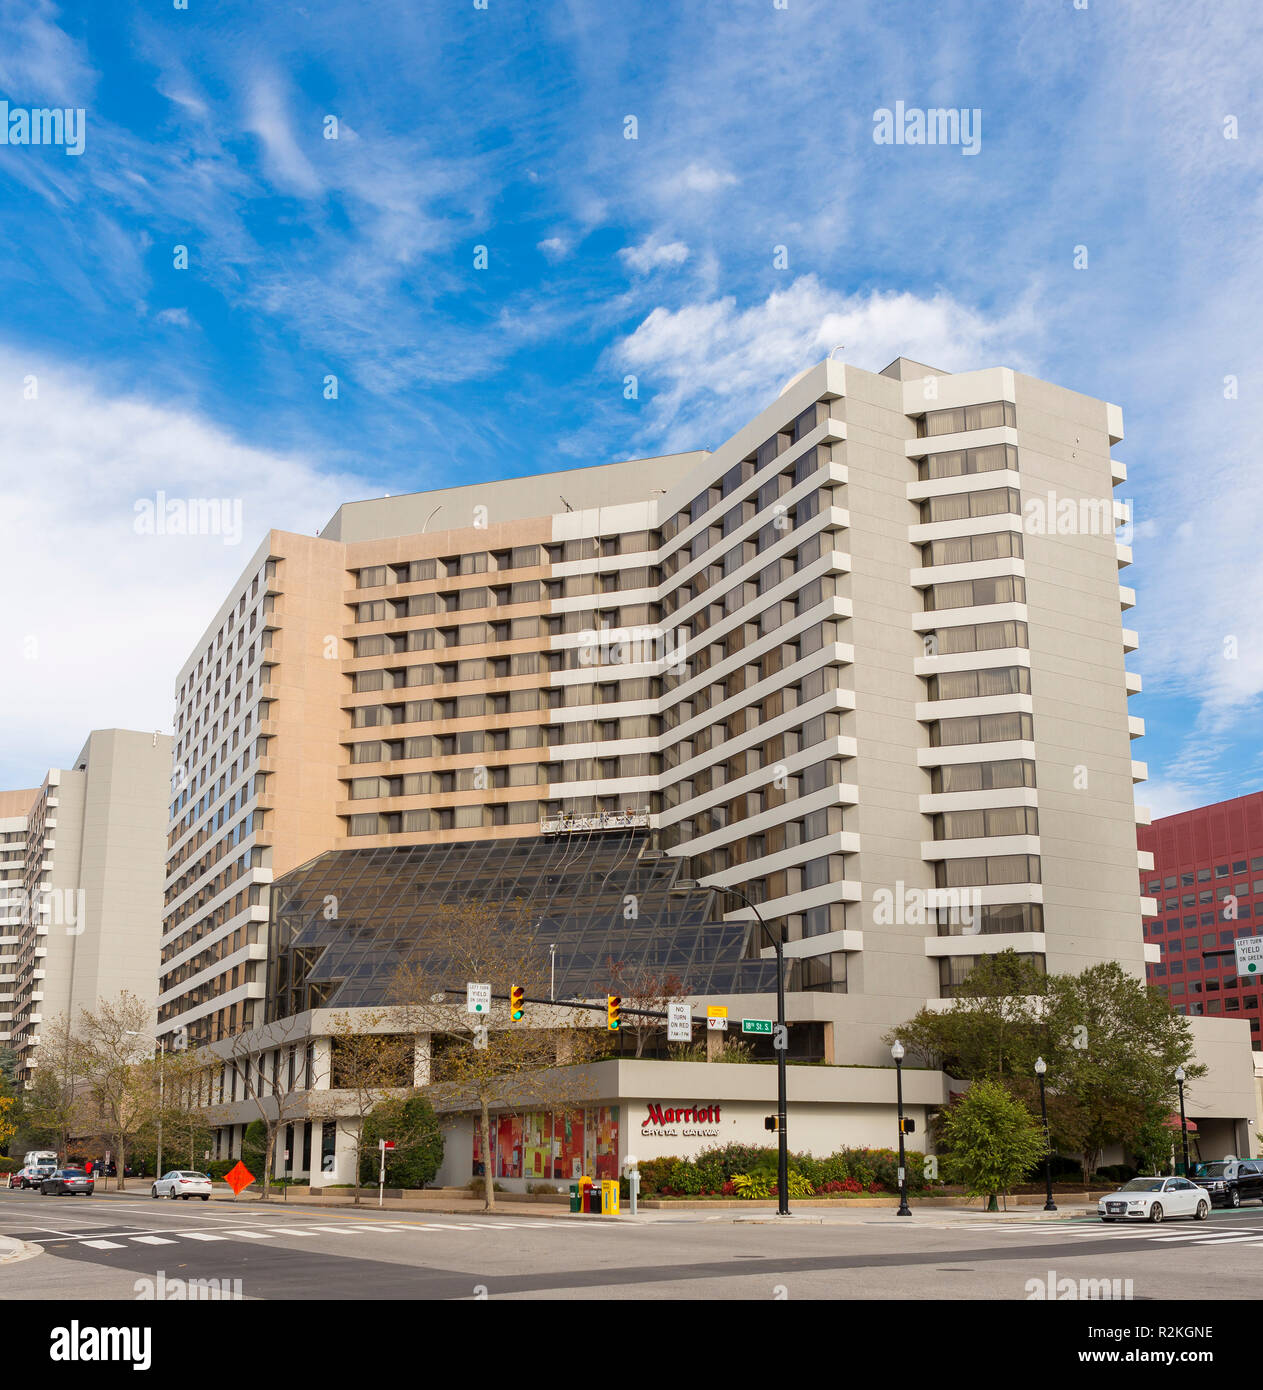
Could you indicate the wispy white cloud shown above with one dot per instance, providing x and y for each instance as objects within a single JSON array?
[
  {"x": 554, "y": 248},
  {"x": 703, "y": 363},
  {"x": 652, "y": 253},
  {"x": 698, "y": 178},
  {"x": 285, "y": 160},
  {"x": 108, "y": 615}
]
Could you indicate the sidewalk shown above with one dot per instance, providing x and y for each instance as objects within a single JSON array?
[{"x": 840, "y": 1213}]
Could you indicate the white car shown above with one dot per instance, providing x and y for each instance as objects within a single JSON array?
[
  {"x": 182, "y": 1183},
  {"x": 1154, "y": 1199}
]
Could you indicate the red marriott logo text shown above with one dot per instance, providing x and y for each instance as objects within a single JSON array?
[{"x": 695, "y": 1115}]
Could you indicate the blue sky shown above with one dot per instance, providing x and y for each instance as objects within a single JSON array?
[{"x": 504, "y": 127}]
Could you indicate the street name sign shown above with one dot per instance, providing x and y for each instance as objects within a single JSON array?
[{"x": 756, "y": 1025}]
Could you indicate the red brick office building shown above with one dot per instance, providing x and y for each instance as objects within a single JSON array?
[{"x": 1207, "y": 881}]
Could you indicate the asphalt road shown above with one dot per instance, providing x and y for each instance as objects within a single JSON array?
[{"x": 123, "y": 1246}]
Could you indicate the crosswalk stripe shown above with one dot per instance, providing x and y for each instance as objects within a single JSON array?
[
  {"x": 103, "y": 1244},
  {"x": 293, "y": 1230},
  {"x": 250, "y": 1235},
  {"x": 152, "y": 1240},
  {"x": 202, "y": 1235}
]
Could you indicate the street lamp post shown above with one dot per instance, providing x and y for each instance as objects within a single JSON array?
[
  {"x": 897, "y": 1053},
  {"x": 1179, "y": 1081},
  {"x": 781, "y": 1044},
  {"x": 1040, "y": 1068}
]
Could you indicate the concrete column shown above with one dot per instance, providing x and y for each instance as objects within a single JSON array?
[
  {"x": 421, "y": 1060},
  {"x": 344, "y": 1153},
  {"x": 714, "y": 1043},
  {"x": 321, "y": 1058}
]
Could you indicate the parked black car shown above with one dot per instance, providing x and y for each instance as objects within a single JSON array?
[
  {"x": 68, "y": 1182},
  {"x": 1230, "y": 1181}
]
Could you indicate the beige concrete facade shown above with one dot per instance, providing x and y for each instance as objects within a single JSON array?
[
  {"x": 81, "y": 874},
  {"x": 902, "y": 690}
]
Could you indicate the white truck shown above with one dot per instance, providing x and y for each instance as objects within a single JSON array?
[{"x": 35, "y": 1157}]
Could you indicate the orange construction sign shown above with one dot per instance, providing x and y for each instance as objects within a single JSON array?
[{"x": 239, "y": 1178}]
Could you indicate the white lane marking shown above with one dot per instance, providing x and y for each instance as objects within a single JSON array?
[
  {"x": 152, "y": 1240},
  {"x": 201, "y": 1235},
  {"x": 250, "y": 1235},
  {"x": 292, "y": 1230},
  {"x": 103, "y": 1244},
  {"x": 1219, "y": 1240}
]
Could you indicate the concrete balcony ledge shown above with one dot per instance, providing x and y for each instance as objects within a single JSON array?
[
  {"x": 1153, "y": 953},
  {"x": 1139, "y": 773},
  {"x": 990, "y": 944}
]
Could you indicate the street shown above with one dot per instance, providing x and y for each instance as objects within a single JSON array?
[{"x": 124, "y": 1246}]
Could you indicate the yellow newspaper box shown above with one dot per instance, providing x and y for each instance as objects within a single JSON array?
[{"x": 609, "y": 1197}]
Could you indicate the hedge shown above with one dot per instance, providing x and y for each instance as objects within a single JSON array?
[{"x": 712, "y": 1171}]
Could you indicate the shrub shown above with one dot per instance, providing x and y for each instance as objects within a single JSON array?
[{"x": 751, "y": 1185}]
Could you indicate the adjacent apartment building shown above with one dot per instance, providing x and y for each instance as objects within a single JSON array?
[
  {"x": 1205, "y": 890},
  {"x": 81, "y": 874}
]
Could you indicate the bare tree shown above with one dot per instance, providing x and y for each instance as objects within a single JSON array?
[
  {"x": 277, "y": 1089},
  {"x": 53, "y": 1109},
  {"x": 491, "y": 1062},
  {"x": 641, "y": 987},
  {"x": 112, "y": 1047},
  {"x": 367, "y": 1066}
]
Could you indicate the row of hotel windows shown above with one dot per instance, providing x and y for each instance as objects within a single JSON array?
[
  {"x": 508, "y": 702},
  {"x": 516, "y": 557},
  {"x": 225, "y": 912},
  {"x": 745, "y": 471},
  {"x": 962, "y": 685},
  {"x": 253, "y": 858},
  {"x": 188, "y": 687},
  {"x": 960, "y": 550},
  {"x": 495, "y": 740},
  {"x": 225, "y": 946},
  {"x": 992, "y": 415},
  {"x": 970, "y": 593},
  {"x": 963, "y": 463},
  {"x": 468, "y": 779},
  {"x": 749, "y": 550},
  {"x": 961, "y": 506},
  {"x": 237, "y": 832}
]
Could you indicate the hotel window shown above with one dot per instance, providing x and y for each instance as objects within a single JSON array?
[
  {"x": 955, "y": 970},
  {"x": 969, "y": 825},
  {"x": 992, "y": 920},
  {"x": 982, "y": 873},
  {"x": 986, "y": 728},
  {"x": 959, "y": 550},
  {"x": 969, "y": 593},
  {"x": 964, "y": 462},
  {"x": 975, "y": 637},
  {"x": 971, "y": 417},
  {"x": 964, "y": 505},
  {"x": 960, "y": 685},
  {"x": 371, "y": 578}
]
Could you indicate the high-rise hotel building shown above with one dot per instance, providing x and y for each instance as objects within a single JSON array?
[{"x": 863, "y": 662}]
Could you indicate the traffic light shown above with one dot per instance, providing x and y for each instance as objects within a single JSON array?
[
  {"x": 907, "y": 1126},
  {"x": 613, "y": 1011},
  {"x": 772, "y": 1122},
  {"x": 517, "y": 997}
]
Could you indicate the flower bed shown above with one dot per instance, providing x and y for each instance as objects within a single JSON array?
[{"x": 714, "y": 1173}]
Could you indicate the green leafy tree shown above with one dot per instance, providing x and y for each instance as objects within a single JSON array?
[
  {"x": 992, "y": 1139},
  {"x": 1115, "y": 1045},
  {"x": 991, "y": 1028},
  {"x": 418, "y": 1153},
  {"x": 1111, "y": 1044}
]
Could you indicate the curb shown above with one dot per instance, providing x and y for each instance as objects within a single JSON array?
[{"x": 14, "y": 1251}]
